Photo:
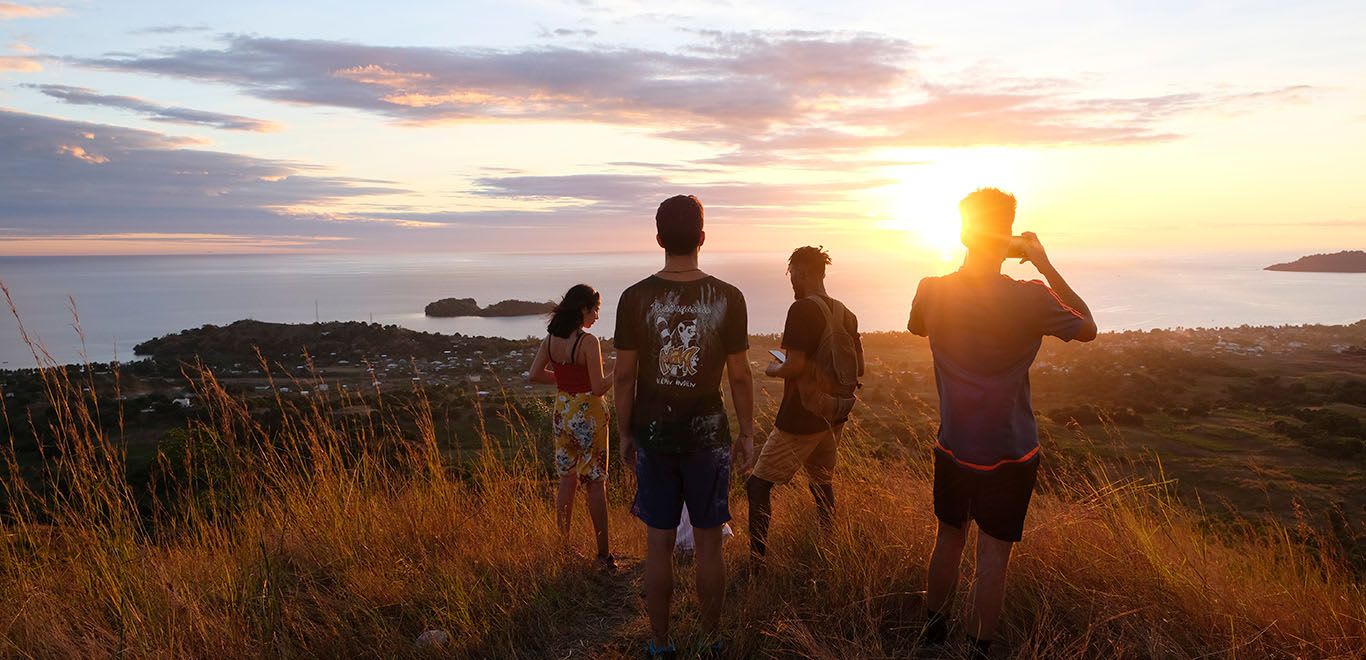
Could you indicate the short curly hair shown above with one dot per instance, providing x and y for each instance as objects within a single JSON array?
[{"x": 814, "y": 259}]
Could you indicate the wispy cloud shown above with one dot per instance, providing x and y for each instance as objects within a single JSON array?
[
  {"x": 633, "y": 192},
  {"x": 172, "y": 29},
  {"x": 79, "y": 179},
  {"x": 156, "y": 111},
  {"x": 758, "y": 96},
  {"x": 565, "y": 33},
  {"x": 13, "y": 10},
  {"x": 66, "y": 177},
  {"x": 162, "y": 243},
  {"x": 733, "y": 81}
]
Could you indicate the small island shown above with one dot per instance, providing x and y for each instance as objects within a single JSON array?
[
  {"x": 449, "y": 307},
  {"x": 1347, "y": 261}
]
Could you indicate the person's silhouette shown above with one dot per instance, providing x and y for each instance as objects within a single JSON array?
[{"x": 985, "y": 329}]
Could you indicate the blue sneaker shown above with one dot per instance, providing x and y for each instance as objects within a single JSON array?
[{"x": 665, "y": 653}]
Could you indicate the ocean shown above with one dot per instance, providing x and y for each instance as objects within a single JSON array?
[{"x": 122, "y": 301}]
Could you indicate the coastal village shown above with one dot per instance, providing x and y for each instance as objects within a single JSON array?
[{"x": 1207, "y": 402}]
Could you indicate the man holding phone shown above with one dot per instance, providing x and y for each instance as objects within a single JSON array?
[
  {"x": 985, "y": 329},
  {"x": 800, "y": 438}
]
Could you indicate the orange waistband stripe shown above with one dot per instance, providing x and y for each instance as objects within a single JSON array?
[{"x": 1032, "y": 453}]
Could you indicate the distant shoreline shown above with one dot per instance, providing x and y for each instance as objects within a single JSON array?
[{"x": 275, "y": 339}]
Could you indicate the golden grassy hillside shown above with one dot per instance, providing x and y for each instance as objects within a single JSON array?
[{"x": 347, "y": 536}]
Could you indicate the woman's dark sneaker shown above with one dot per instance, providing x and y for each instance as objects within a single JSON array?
[
  {"x": 979, "y": 649},
  {"x": 606, "y": 563},
  {"x": 936, "y": 629},
  {"x": 713, "y": 651}
]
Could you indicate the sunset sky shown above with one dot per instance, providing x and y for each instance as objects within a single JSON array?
[{"x": 144, "y": 127}]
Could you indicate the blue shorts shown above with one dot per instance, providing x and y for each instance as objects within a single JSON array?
[{"x": 666, "y": 482}]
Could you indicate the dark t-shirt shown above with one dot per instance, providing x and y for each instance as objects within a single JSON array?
[
  {"x": 803, "y": 331},
  {"x": 984, "y": 333},
  {"x": 682, "y": 333}
]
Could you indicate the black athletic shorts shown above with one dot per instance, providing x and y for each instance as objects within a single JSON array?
[{"x": 997, "y": 499}]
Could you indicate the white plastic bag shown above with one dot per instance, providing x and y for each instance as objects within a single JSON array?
[{"x": 684, "y": 542}]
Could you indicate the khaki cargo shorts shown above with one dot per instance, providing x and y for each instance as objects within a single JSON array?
[{"x": 785, "y": 452}]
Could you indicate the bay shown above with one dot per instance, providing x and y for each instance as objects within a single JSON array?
[{"x": 124, "y": 300}]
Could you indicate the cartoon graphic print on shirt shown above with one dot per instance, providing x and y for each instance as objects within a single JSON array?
[
  {"x": 678, "y": 350},
  {"x": 683, "y": 333},
  {"x": 679, "y": 326}
]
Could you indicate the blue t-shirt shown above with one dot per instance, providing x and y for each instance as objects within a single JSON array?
[{"x": 984, "y": 333}]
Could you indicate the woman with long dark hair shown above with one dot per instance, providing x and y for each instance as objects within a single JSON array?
[{"x": 571, "y": 359}]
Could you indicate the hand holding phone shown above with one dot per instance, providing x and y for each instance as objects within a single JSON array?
[
  {"x": 1017, "y": 248},
  {"x": 776, "y": 365}
]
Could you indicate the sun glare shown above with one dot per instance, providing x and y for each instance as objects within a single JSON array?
[{"x": 924, "y": 204}]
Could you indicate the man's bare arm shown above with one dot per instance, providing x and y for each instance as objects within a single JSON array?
[
  {"x": 741, "y": 381},
  {"x": 624, "y": 393},
  {"x": 1035, "y": 254}
]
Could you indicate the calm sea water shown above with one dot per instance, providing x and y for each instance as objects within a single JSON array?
[{"x": 125, "y": 300}]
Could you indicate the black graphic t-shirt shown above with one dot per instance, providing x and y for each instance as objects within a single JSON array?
[{"x": 682, "y": 333}]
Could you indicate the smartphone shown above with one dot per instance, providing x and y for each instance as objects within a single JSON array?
[
  {"x": 777, "y": 355},
  {"x": 1017, "y": 248}
]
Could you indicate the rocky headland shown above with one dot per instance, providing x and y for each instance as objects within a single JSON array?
[{"x": 1347, "y": 261}]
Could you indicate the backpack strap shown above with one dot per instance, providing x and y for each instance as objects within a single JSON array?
[
  {"x": 834, "y": 314},
  {"x": 837, "y": 314},
  {"x": 835, "y": 318}
]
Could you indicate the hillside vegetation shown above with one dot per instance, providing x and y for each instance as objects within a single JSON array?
[{"x": 341, "y": 535}]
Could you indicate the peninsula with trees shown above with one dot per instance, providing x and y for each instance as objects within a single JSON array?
[{"x": 1347, "y": 261}]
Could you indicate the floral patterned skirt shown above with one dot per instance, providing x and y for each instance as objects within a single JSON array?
[{"x": 580, "y": 425}]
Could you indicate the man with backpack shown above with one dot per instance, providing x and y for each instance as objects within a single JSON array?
[{"x": 824, "y": 359}]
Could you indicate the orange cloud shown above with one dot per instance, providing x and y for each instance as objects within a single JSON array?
[
  {"x": 16, "y": 63},
  {"x": 421, "y": 100},
  {"x": 79, "y": 153},
  {"x": 374, "y": 74},
  {"x": 11, "y": 10}
]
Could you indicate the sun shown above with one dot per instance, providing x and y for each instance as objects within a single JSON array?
[{"x": 924, "y": 202}]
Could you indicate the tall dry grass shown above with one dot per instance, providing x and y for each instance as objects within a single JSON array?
[{"x": 343, "y": 536}]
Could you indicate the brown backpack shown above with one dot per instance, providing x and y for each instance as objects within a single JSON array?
[{"x": 828, "y": 384}]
